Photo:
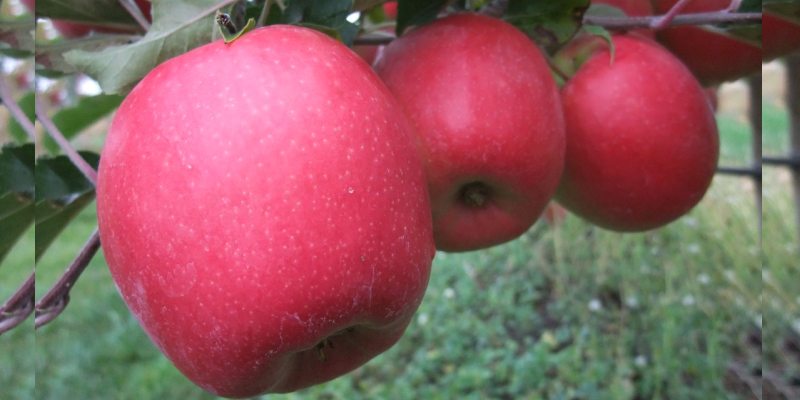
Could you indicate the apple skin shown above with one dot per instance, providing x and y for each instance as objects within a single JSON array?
[
  {"x": 779, "y": 36},
  {"x": 263, "y": 211},
  {"x": 488, "y": 116},
  {"x": 642, "y": 142},
  {"x": 713, "y": 58}
]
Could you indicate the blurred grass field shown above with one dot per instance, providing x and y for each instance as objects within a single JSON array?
[{"x": 571, "y": 312}]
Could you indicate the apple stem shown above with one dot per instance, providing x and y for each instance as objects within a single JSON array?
[
  {"x": 224, "y": 20},
  {"x": 475, "y": 194}
]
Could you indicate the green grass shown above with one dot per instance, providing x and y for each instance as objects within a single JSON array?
[{"x": 572, "y": 312}]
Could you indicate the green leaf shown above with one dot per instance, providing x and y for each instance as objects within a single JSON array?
[
  {"x": 97, "y": 12},
  {"x": 417, "y": 12},
  {"x": 50, "y": 55},
  {"x": 61, "y": 193},
  {"x": 787, "y": 9},
  {"x": 26, "y": 103},
  {"x": 605, "y": 10},
  {"x": 549, "y": 23},
  {"x": 178, "y": 26},
  {"x": 604, "y": 34},
  {"x": 324, "y": 16},
  {"x": 16, "y": 194},
  {"x": 750, "y": 6},
  {"x": 73, "y": 120}
]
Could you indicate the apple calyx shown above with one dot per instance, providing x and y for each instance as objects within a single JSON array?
[{"x": 475, "y": 194}]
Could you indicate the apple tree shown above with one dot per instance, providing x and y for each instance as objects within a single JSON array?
[{"x": 269, "y": 201}]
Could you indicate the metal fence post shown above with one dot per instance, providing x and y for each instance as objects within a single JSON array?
[
  {"x": 754, "y": 85},
  {"x": 793, "y": 104}
]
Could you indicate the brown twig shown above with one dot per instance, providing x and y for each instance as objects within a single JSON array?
[
  {"x": 52, "y": 130},
  {"x": 19, "y": 306},
  {"x": 56, "y": 299},
  {"x": 15, "y": 111},
  {"x": 704, "y": 18}
]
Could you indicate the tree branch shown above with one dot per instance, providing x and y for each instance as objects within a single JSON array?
[
  {"x": 63, "y": 143},
  {"x": 16, "y": 112},
  {"x": 666, "y": 19},
  {"x": 19, "y": 306},
  {"x": 682, "y": 19},
  {"x": 56, "y": 299},
  {"x": 704, "y": 18}
]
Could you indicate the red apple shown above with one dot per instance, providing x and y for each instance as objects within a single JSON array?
[
  {"x": 390, "y": 9},
  {"x": 487, "y": 112},
  {"x": 642, "y": 142},
  {"x": 779, "y": 36},
  {"x": 264, "y": 213},
  {"x": 72, "y": 30},
  {"x": 712, "y": 57}
]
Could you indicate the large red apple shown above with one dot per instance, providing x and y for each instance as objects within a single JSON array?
[
  {"x": 487, "y": 113},
  {"x": 714, "y": 58},
  {"x": 642, "y": 142},
  {"x": 264, "y": 213}
]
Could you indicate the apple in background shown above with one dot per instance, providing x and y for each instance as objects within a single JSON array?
[
  {"x": 266, "y": 240},
  {"x": 390, "y": 9},
  {"x": 642, "y": 142},
  {"x": 488, "y": 116},
  {"x": 712, "y": 57},
  {"x": 779, "y": 36},
  {"x": 72, "y": 30}
]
